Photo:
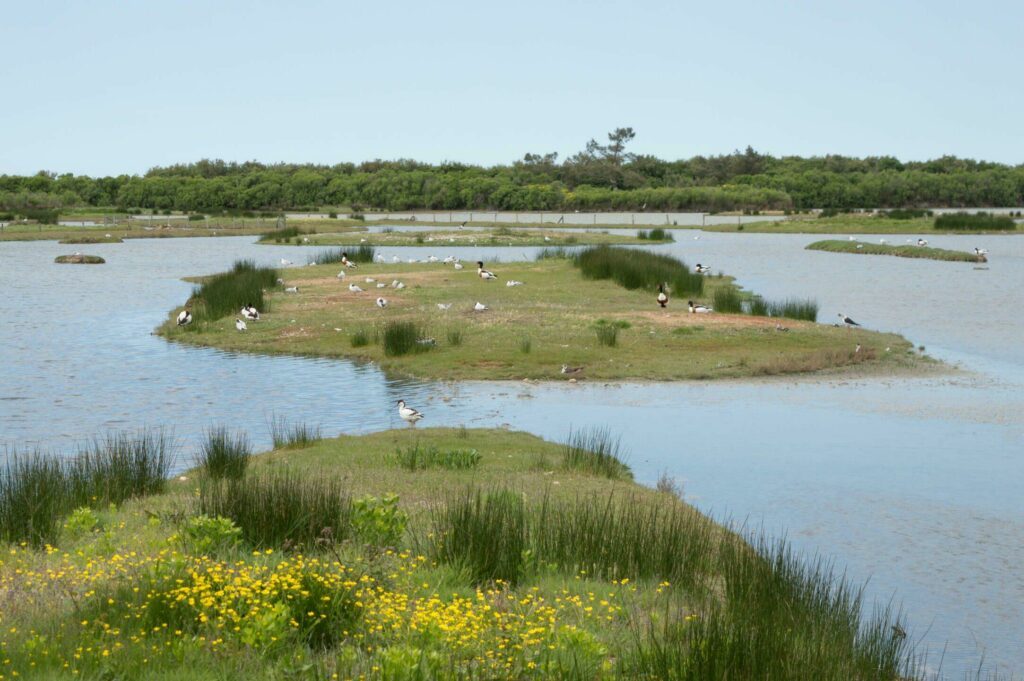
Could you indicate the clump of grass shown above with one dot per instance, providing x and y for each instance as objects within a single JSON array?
[
  {"x": 525, "y": 345},
  {"x": 667, "y": 484},
  {"x": 607, "y": 334},
  {"x": 727, "y": 299},
  {"x": 283, "y": 235},
  {"x": 656, "y": 234},
  {"x": 455, "y": 337},
  {"x": 554, "y": 253},
  {"x": 794, "y": 308},
  {"x": 634, "y": 269},
  {"x": 287, "y": 435},
  {"x": 596, "y": 451},
  {"x": 225, "y": 294},
  {"x": 484, "y": 533},
  {"x": 399, "y": 338},
  {"x": 33, "y": 498},
  {"x": 359, "y": 338},
  {"x": 280, "y": 509},
  {"x": 362, "y": 253},
  {"x": 418, "y": 458},
  {"x": 224, "y": 455},
  {"x": 904, "y": 213},
  {"x": 975, "y": 221}
]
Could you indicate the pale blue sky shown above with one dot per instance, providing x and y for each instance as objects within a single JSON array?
[{"x": 105, "y": 87}]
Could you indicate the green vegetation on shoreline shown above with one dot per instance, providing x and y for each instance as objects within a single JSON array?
[
  {"x": 566, "y": 319},
  {"x": 491, "y": 236},
  {"x": 848, "y": 223},
  {"x": 527, "y": 564},
  {"x": 906, "y": 251},
  {"x": 79, "y": 259}
]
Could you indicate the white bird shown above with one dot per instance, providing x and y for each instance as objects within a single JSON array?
[
  {"x": 512, "y": 282},
  {"x": 431, "y": 258},
  {"x": 662, "y": 296},
  {"x": 184, "y": 318},
  {"x": 354, "y": 288},
  {"x": 458, "y": 265},
  {"x": 480, "y": 307},
  {"x": 341, "y": 274},
  {"x": 444, "y": 307},
  {"x": 401, "y": 285},
  {"x": 881, "y": 241},
  {"x": 292, "y": 289},
  {"x": 484, "y": 274},
  {"x": 847, "y": 320},
  {"x": 408, "y": 414},
  {"x": 922, "y": 242},
  {"x": 449, "y": 260},
  {"x": 850, "y": 238},
  {"x": 381, "y": 284},
  {"x": 379, "y": 257},
  {"x": 566, "y": 369},
  {"x": 250, "y": 312},
  {"x": 701, "y": 269},
  {"x": 285, "y": 262},
  {"x": 547, "y": 238},
  {"x": 381, "y": 303},
  {"x": 107, "y": 235},
  {"x": 395, "y": 258},
  {"x": 370, "y": 280},
  {"x": 240, "y": 325},
  {"x": 860, "y": 245},
  {"x": 980, "y": 251},
  {"x": 698, "y": 309}
]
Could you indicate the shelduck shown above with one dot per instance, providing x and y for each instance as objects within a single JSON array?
[
  {"x": 240, "y": 325},
  {"x": 922, "y": 242},
  {"x": 346, "y": 262},
  {"x": 408, "y": 414},
  {"x": 662, "y": 296},
  {"x": 250, "y": 312},
  {"x": 701, "y": 269},
  {"x": 184, "y": 318},
  {"x": 484, "y": 274},
  {"x": 698, "y": 309},
  {"x": 847, "y": 320}
]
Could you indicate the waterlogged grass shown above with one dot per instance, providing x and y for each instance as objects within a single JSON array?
[
  {"x": 79, "y": 259},
  {"x": 506, "y": 570},
  {"x": 556, "y": 308},
  {"x": 903, "y": 251}
]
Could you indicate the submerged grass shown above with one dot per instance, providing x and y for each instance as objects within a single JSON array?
[{"x": 638, "y": 269}]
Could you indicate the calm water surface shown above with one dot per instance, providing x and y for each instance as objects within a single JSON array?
[{"x": 915, "y": 484}]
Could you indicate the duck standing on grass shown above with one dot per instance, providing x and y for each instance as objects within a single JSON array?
[
  {"x": 484, "y": 274},
  {"x": 847, "y": 320},
  {"x": 408, "y": 414},
  {"x": 346, "y": 262},
  {"x": 698, "y": 309},
  {"x": 662, "y": 296},
  {"x": 184, "y": 318},
  {"x": 240, "y": 325}
]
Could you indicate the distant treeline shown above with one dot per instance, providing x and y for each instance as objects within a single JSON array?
[{"x": 595, "y": 180}]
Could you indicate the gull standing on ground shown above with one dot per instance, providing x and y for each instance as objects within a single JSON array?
[
  {"x": 847, "y": 320},
  {"x": 480, "y": 307},
  {"x": 240, "y": 325},
  {"x": 354, "y": 288}
]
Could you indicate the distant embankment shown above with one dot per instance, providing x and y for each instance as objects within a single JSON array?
[{"x": 861, "y": 248}]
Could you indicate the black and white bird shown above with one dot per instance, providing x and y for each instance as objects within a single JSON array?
[
  {"x": 566, "y": 369},
  {"x": 250, "y": 312},
  {"x": 480, "y": 307},
  {"x": 354, "y": 288},
  {"x": 701, "y": 269},
  {"x": 698, "y": 309},
  {"x": 847, "y": 320},
  {"x": 184, "y": 318},
  {"x": 240, "y": 325},
  {"x": 408, "y": 414},
  {"x": 922, "y": 242},
  {"x": 346, "y": 262},
  {"x": 980, "y": 251},
  {"x": 458, "y": 265},
  {"x": 382, "y": 303},
  {"x": 662, "y": 296},
  {"x": 486, "y": 275}
]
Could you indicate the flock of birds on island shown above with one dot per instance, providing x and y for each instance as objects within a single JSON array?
[{"x": 412, "y": 416}]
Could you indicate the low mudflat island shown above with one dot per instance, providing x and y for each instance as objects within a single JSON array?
[
  {"x": 901, "y": 251},
  {"x": 594, "y": 315},
  {"x": 79, "y": 259}
]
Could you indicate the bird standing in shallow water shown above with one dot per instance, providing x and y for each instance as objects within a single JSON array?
[
  {"x": 408, "y": 414},
  {"x": 662, "y": 296},
  {"x": 847, "y": 320}
]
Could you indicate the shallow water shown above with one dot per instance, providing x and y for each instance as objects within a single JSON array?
[{"x": 911, "y": 482}]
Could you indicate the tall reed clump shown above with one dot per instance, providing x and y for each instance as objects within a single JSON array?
[
  {"x": 400, "y": 338},
  {"x": 975, "y": 221},
  {"x": 284, "y": 235},
  {"x": 225, "y": 294},
  {"x": 656, "y": 234},
  {"x": 607, "y": 335},
  {"x": 727, "y": 299},
  {"x": 596, "y": 451},
  {"x": 791, "y": 308},
  {"x": 778, "y": 613},
  {"x": 639, "y": 269},
  {"x": 484, "y": 533},
  {"x": 330, "y": 256},
  {"x": 223, "y": 455},
  {"x": 287, "y": 435},
  {"x": 279, "y": 508},
  {"x": 36, "y": 489},
  {"x": 362, "y": 253}
]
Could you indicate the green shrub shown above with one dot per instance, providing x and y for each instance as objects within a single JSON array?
[
  {"x": 596, "y": 451},
  {"x": 727, "y": 299},
  {"x": 287, "y": 435},
  {"x": 379, "y": 521},
  {"x": 360, "y": 338},
  {"x": 400, "y": 338},
  {"x": 976, "y": 221},
  {"x": 202, "y": 535}
]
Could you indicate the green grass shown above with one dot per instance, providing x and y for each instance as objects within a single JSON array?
[
  {"x": 283, "y": 236},
  {"x": 225, "y": 294},
  {"x": 557, "y": 309},
  {"x": 607, "y": 335},
  {"x": 223, "y": 454},
  {"x": 79, "y": 260},
  {"x": 417, "y": 458},
  {"x": 975, "y": 222},
  {"x": 495, "y": 235},
  {"x": 848, "y": 223},
  {"x": 906, "y": 251},
  {"x": 656, "y": 234},
  {"x": 727, "y": 299},
  {"x": 638, "y": 269},
  {"x": 286, "y": 435},
  {"x": 401, "y": 338},
  {"x": 360, "y": 338},
  {"x": 595, "y": 451}
]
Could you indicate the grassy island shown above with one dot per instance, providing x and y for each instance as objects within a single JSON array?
[
  {"x": 904, "y": 251},
  {"x": 79, "y": 259},
  {"x": 600, "y": 329},
  {"x": 497, "y": 556}
]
